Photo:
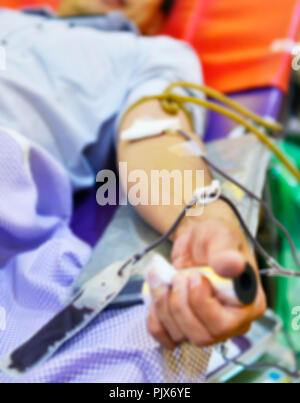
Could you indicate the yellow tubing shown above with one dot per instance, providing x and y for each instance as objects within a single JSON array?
[
  {"x": 227, "y": 101},
  {"x": 172, "y": 103}
]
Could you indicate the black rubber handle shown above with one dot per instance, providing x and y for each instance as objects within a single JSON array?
[{"x": 246, "y": 286}]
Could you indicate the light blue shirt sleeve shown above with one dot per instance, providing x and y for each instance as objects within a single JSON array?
[
  {"x": 159, "y": 62},
  {"x": 67, "y": 84}
]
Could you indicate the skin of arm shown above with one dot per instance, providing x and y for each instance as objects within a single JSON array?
[{"x": 189, "y": 310}]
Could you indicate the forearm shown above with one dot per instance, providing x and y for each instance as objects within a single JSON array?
[
  {"x": 190, "y": 310},
  {"x": 155, "y": 154}
]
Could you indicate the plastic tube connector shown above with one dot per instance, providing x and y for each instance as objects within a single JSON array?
[{"x": 208, "y": 194}]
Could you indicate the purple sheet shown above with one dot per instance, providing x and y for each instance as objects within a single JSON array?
[{"x": 40, "y": 258}]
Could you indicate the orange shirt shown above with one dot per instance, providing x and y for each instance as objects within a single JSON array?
[
  {"x": 22, "y": 3},
  {"x": 235, "y": 39}
]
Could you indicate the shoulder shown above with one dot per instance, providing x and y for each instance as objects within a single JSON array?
[
  {"x": 167, "y": 43},
  {"x": 164, "y": 49}
]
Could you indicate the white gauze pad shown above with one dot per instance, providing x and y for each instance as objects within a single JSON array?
[{"x": 143, "y": 128}]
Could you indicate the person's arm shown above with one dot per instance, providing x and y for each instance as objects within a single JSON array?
[{"x": 190, "y": 310}]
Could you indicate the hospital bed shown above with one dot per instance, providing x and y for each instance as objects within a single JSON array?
[{"x": 255, "y": 73}]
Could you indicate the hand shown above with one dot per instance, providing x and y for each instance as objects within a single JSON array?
[{"x": 189, "y": 310}]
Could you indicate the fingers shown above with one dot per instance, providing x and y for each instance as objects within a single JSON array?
[
  {"x": 221, "y": 321},
  {"x": 189, "y": 310},
  {"x": 228, "y": 263},
  {"x": 158, "y": 331},
  {"x": 213, "y": 243},
  {"x": 160, "y": 295},
  {"x": 181, "y": 254},
  {"x": 171, "y": 320},
  {"x": 190, "y": 326},
  {"x": 218, "y": 244}
]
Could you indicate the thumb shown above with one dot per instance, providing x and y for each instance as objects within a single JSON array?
[
  {"x": 228, "y": 263},
  {"x": 224, "y": 253}
]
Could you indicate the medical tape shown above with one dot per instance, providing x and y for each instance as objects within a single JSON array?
[{"x": 144, "y": 128}]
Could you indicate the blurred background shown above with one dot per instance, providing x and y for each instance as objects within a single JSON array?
[{"x": 249, "y": 50}]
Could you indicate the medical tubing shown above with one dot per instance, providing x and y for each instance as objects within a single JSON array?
[
  {"x": 172, "y": 103},
  {"x": 263, "y": 204},
  {"x": 252, "y": 195},
  {"x": 138, "y": 256},
  {"x": 275, "y": 269},
  {"x": 258, "y": 367},
  {"x": 279, "y": 269},
  {"x": 294, "y": 374},
  {"x": 167, "y": 235},
  {"x": 258, "y": 247},
  {"x": 274, "y": 126}
]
